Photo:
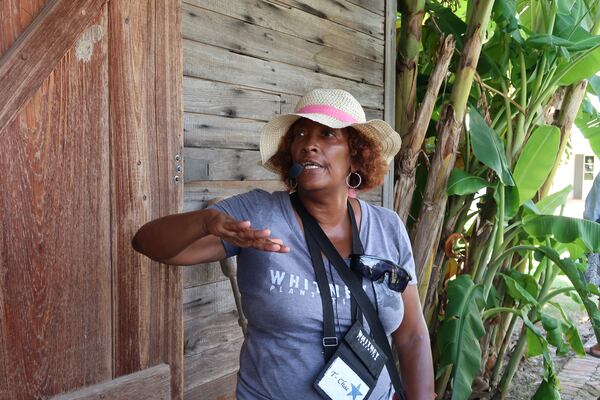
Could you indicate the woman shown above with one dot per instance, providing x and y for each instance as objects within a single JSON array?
[
  {"x": 592, "y": 273},
  {"x": 330, "y": 150}
]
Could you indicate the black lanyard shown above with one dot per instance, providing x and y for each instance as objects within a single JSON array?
[{"x": 318, "y": 241}]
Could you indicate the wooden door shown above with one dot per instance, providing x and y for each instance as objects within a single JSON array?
[{"x": 90, "y": 130}]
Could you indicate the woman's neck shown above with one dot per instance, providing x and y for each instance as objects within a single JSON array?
[{"x": 328, "y": 209}]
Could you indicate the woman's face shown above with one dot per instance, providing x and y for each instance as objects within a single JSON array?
[{"x": 323, "y": 152}]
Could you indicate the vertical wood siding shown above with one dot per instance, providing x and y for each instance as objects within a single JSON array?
[
  {"x": 145, "y": 108},
  {"x": 245, "y": 62},
  {"x": 55, "y": 304},
  {"x": 88, "y": 159}
]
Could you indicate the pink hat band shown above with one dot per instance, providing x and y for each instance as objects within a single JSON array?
[{"x": 329, "y": 111}]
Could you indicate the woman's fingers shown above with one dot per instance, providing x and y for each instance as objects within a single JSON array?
[
  {"x": 241, "y": 234},
  {"x": 268, "y": 244}
]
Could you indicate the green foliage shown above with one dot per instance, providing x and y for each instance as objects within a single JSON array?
[
  {"x": 549, "y": 204},
  {"x": 459, "y": 334},
  {"x": 461, "y": 183},
  {"x": 487, "y": 147},
  {"x": 564, "y": 230},
  {"x": 536, "y": 161},
  {"x": 532, "y": 48}
]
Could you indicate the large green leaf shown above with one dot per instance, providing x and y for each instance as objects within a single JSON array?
[
  {"x": 589, "y": 125},
  {"x": 488, "y": 147},
  {"x": 534, "y": 344},
  {"x": 580, "y": 67},
  {"x": 536, "y": 161},
  {"x": 564, "y": 229},
  {"x": 551, "y": 41},
  {"x": 550, "y": 203},
  {"x": 549, "y": 387},
  {"x": 459, "y": 334},
  {"x": 518, "y": 292},
  {"x": 569, "y": 328},
  {"x": 461, "y": 183},
  {"x": 554, "y": 334}
]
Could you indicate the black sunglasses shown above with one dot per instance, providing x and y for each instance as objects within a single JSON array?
[{"x": 375, "y": 269}]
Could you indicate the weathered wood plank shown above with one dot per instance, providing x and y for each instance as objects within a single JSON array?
[
  {"x": 208, "y": 299},
  {"x": 245, "y": 38},
  {"x": 218, "y": 132},
  {"x": 146, "y": 125},
  {"x": 151, "y": 384},
  {"x": 209, "y": 62},
  {"x": 204, "y": 333},
  {"x": 209, "y": 97},
  {"x": 344, "y": 13},
  {"x": 198, "y": 193},
  {"x": 222, "y": 388},
  {"x": 55, "y": 295},
  {"x": 223, "y": 359},
  {"x": 29, "y": 61},
  {"x": 376, "y": 6},
  {"x": 224, "y": 164},
  {"x": 166, "y": 306},
  {"x": 282, "y": 18},
  {"x": 390, "y": 91},
  {"x": 200, "y": 274}
]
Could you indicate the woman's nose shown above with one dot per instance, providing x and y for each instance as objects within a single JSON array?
[{"x": 310, "y": 143}]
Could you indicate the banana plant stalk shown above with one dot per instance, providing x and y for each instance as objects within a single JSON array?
[
  {"x": 427, "y": 229},
  {"x": 407, "y": 159},
  {"x": 568, "y": 113},
  {"x": 412, "y": 12}
]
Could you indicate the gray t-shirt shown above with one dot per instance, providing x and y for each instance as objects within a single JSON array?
[{"x": 282, "y": 354}]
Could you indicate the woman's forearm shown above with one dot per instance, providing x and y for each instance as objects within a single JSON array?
[
  {"x": 416, "y": 368},
  {"x": 168, "y": 236}
]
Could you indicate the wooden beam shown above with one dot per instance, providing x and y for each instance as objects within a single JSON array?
[
  {"x": 151, "y": 384},
  {"x": 389, "y": 96},
  {"x": 40, "y": 47}
]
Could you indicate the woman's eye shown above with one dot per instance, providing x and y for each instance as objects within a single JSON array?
[
  {"x": 329, "y": 133},
  {"x": 300, "y": 133}
]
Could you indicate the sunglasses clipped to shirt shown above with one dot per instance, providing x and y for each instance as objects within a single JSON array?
[{"x": 375, "y": 269}]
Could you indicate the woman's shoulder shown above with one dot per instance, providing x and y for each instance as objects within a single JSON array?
[
  {"x": 382, "y": 214},
  {"x": 250, "y": 203}
]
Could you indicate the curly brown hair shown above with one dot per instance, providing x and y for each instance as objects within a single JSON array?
[{"x": 364, "y": 152}]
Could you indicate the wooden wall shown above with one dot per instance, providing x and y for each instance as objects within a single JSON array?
[
  {"x": 245, "y": 62},
  {"x": 90, "y": 122}
]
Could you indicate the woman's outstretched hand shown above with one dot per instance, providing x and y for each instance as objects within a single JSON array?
[{"x": 240, "y": 233}]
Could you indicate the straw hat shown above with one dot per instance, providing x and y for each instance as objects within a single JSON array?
[{"x": 334, "y": 108}]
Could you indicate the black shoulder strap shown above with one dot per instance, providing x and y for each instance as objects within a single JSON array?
[{"x": 314, "y": 231}]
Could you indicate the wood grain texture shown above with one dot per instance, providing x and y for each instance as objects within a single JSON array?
[
  {"x": 285, "y": 19},
  {"x": 232, "y": 101},
  {"x": 55, "y": 228},
  {"x": 242, "y": 37},
  {"x": 213, "y": 363},
  {"x": 376, "y": 6},
  {"x": 209, "y": 62},
  {"x": 36, "y": 52},
  {"x": 224, "y": 164},
  {"x": 149, "y": 384},
  {"x": 146, "y": 126},
  {"x": 200, "y": 274},
  {"x": 389, "y": 94},
  {"x": 344, "y": 13},
  {"x": 211, "y": 131},
  {"x": 222, "y": 388}
]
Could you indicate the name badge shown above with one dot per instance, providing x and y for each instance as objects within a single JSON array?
[
  {"x": 341, "y": 382},
  {"x": 352, "y": 371}
]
